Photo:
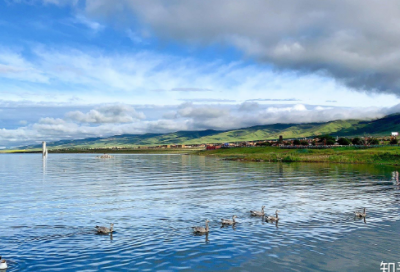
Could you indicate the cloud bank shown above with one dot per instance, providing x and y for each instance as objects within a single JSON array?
[
  {"x": 356, "y": 42},
  {"x": 108, "y": 120}
]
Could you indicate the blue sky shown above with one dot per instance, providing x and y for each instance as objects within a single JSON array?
[{"x": 82, "y": 68}]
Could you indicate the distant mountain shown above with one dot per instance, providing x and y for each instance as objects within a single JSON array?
[{"x": 379, "y": 127}]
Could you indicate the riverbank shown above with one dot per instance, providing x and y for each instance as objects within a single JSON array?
[
  {"x": 388, "y": 155},
  {"x": 108, "y": 151}
]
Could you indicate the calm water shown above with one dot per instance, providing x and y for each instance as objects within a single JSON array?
[{"x": 48, "y": 213}]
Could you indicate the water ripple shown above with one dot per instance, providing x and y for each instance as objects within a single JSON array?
[{"x": 49, "y": 212}]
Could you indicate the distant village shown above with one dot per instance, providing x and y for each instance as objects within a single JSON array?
[{"x": 324, "y": 141}]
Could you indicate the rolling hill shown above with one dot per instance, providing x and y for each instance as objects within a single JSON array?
[{"x": 378, "y": 127}]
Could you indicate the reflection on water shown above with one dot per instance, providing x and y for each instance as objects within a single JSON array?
[
  {"x": 49, "y": 209},
  {"x": 395, "y": 177}
]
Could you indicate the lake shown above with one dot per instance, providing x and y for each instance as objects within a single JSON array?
[{"x": 49, "y": 210}]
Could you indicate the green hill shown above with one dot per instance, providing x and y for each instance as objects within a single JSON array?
[{"x": 379, "y": 127}]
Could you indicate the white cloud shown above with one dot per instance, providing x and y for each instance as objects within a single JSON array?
[
  {"x": 190, "y": 90},
  {"x": 93, "y": 25},
  {"x": 201, "y": 112},
  {"x": 13, "y": 65},
  {"x": 110, "y": 120},
  {"x": 354, "y": 41},
  {"x": 94, "y": 76},
  {"x": 107, "y": 114}
]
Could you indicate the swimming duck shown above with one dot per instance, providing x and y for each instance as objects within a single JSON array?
[
  {"x": 360, "y": 214},
  {"x": 228, "y": 221},
  {"x": 105, "y": 230},
  {"x": 3, "y": 264},
  {"x": 201, "y": 229},
  {"x": 257, "y": 213},
  {"x": 271, "y": 218}
]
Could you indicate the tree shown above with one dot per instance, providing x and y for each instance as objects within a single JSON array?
[
  {"x": 296, "y": 142},
  {"x": 344, "y": 141},
  {"x": 313, "y": 142},
  {"x": 326, "y": 137},
  {"x": 330, "y": 142},
  {"x": 304, "y": 143},
  {"x": 394, "y": 141},
  {"x": 357, "y": 141},
  {"x": 374, "y": 141}
]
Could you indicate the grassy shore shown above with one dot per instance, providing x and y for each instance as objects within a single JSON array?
[{"x": 389, "y": 155}]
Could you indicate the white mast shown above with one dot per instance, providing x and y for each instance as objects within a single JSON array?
[{"x": 44, "y": 149}]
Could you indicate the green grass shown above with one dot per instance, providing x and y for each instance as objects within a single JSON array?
[{"x": 382, "y": 155}]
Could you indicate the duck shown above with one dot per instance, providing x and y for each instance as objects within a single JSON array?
[
  {"x": 201, "y": 229},
  {"x": 360, "y": 214},
  {"x": 271, "y": 218},
  {"x": 105, "y": 230},
  {"x": 228, "y": 221},
  {"x": 257, "y": 213},
  {"x": 3, "y": 264}
]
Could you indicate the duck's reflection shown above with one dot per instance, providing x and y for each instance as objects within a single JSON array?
[
  {"x": 206, "y": 238},
  {"x": 272, "y": 223},
  {"x": 223, "y": 226},
  {"x": 360, "y": 219}
]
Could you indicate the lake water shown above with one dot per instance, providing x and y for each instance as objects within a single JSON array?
[{"x": 49, "y": 211}]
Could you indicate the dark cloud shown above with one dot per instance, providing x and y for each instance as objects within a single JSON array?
[{"x": 357, "y": 42}]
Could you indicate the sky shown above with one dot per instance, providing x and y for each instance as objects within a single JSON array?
[{"x": 71, "y": 69}]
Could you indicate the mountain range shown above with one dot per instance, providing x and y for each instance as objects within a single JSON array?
[{"x": 350, "y": 128}]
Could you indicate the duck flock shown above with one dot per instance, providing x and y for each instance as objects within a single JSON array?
[
  {"x": 202, "y": 230},
  {"x": 268, "y": 218}
]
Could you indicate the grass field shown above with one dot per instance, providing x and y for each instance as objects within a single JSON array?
[{"x": 389, "y": 155}]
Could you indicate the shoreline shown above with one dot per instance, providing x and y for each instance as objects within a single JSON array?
[
  {"x": 106, "y": 151},
  {"x": 387, "y": 155}
]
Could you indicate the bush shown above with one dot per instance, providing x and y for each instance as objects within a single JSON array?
[
  {"x": 394, "y": 141},
  {"x": 296, "y": 142},
  {"x": 304, "y": 143},
  {"x": 374, "y": 141},
  {"x": 330, "y": 142},
  {"x": 344, "y": 141},
  {"x": 357, "y": 141}
]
